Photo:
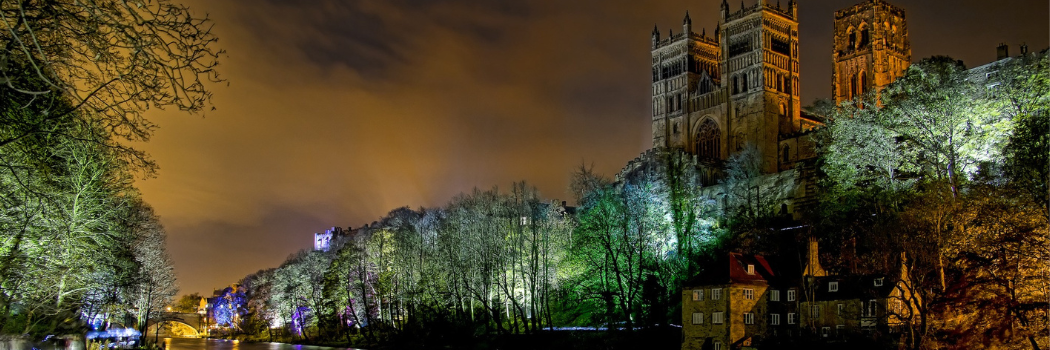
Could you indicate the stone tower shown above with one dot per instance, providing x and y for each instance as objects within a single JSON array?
[
  {"x": 871, "y": 48},
  {"x": 760, "y": 69},
  {"x": 712, "y": 95},
  {"x": 680, "y": 63}
]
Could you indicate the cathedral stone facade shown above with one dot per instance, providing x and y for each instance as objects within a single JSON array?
[
  {"x": 871, "y": 48},
  {"x": 712, "y": 95}
]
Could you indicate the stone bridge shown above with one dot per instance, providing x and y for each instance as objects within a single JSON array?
[{"x": 177, "y": 324}]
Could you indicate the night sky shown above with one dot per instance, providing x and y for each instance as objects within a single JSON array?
[{"x": 339, "y": 111}]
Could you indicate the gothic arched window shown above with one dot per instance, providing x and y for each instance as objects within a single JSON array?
[
  {"x": 852, "y": 39},
  {"x": 861, "y": 83},
  {"x": 709, "y": 140},
  {"x": 864, "y": 37},
  {"x": 852, "y": 92}
]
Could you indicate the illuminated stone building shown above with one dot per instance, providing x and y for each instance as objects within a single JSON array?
[
  {"x": 871, "y": 48},
  {"x": 323, "y": 241},
  {"x": 713, "y": 94},
  {"x": 739, "y": 302}
]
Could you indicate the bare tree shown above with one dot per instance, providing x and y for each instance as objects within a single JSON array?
[{"x": 111, "y": 60}]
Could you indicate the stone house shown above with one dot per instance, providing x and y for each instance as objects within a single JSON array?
[
  {"x": 736, "y": 303},
  {"x": 836, "y": 307},
  {"x": 745, "y": 301}
]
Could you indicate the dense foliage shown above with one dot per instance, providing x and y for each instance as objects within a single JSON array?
[
  {"x": 949, "y": 166},
  {"x": 78, "y": 246},
  {"x": 493, "y": 262}
]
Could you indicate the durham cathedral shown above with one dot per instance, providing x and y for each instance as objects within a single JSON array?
[{"x": 714, "y": 94}]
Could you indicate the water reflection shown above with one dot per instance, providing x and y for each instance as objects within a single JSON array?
[{"x": 218, "y": 344}]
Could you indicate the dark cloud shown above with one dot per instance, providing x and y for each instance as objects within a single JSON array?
[{"x": 338, "y": 111}]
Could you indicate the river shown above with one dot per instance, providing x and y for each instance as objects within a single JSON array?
[{"x": 218, "y": 344}]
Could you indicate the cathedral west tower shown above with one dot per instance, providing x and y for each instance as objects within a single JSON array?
[{"x": 713, "y": 95}]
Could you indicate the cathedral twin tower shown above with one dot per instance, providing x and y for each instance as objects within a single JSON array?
[{"x": 714, "y": 95}]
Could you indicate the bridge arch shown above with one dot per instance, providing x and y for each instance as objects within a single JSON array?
[{"x": 173, "y": 328}]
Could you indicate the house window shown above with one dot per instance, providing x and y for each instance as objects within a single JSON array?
[
  {"x": 814, "y": 311},
  {"x": 698, "y": 318},
  {"x": 750, "y": 269},
  {"x": 791, "y": 295},
  {"x": 825, "y": 332},
  {"x": 872, "y": 307},
  {"x": 749, "y": 318},
  {"x": 878, "y": 282},
  {"x": 792, "y": 318},
  {"x": 716, "y": 294},
  {"x": 774, "y": 295},
  {"x": 717, "y": 345},
  {"x": 833, "y": 286},
  {"x": 774, "y": 319},
  {"x": 698, "y": 295},
  {"x": 749, "y": 294},
  {"x": 840, "y": 330},
  {"x": 717, "y": 317},
  {"x": 839, "y": 312}
]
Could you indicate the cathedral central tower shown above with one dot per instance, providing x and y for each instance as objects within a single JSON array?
[{"x": 871, "y": 48}]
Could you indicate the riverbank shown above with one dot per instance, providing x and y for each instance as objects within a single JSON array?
[{"x": 664, "y": 338}]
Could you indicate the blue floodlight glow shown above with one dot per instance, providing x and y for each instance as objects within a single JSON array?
[{"x": 114, "y": 333}]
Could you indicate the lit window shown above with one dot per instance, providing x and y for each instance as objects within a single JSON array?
[
  {"x": 717, "y": 345},
  {"x": 774, "y": 319},
  {"x": 872, "y": 307},
  {"x": 774, "y": 295},
  {"x": 814, "y": 311},
  {"x": 833, "y": 286},
  {"x": 750, "y": 269},
  {"x": 698, "y": 295},
  {"x": 878, "y": 282},
  {"x": 716, "y": 294},
  {"x": 749, "y": 318},
  {"x": 749, "y": 294},
  {"x": 791, "y": 295},
  {"x": 792, "y": 318},
  {"x": 825, "y": 331},
  {"x": 840, "y": 308},
  {"x": 717, "y": 317},
  {"x": 698, "y": 318}
]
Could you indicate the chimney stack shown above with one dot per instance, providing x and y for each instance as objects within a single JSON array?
[
  {"x": 813, "y": 268},
  {"x": 1002, "y": 51}
]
